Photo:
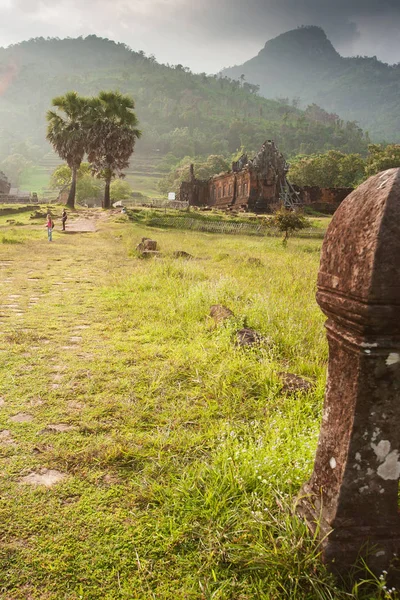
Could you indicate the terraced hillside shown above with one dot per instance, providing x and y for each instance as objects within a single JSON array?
[
  {"x": 143, "y": 175},
  {"x": 181, "y": 113}
]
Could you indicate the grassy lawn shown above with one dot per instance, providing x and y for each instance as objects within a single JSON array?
[
  {"x": 35, "y": 179},
  {"x": 147, "y": 185},
  {"x": 180, "y": 453}
]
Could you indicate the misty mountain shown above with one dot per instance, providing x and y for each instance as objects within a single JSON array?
[
  {"x": 179, "y": 112},
  {"x": 302, "y": 64}
]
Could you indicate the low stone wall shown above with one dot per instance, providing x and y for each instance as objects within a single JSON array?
[
  {"x": 7, "y": 199},
  {"x": 324, "y": 200},
  {"x": 14, "y": 210}
]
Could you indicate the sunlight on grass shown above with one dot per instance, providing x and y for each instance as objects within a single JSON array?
[{"x": 182, "y": 455}]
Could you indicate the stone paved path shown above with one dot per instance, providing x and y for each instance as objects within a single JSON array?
[
  {"x": 84, "y": 222},
  {"x": 44, "y": 322}
]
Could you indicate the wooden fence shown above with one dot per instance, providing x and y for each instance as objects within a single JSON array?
[{"x": 226, "y": 227}]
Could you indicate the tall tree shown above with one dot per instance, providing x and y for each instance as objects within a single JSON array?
[
  {"x": 112, "y": 136},
  {"x": 67, "y": 133}
]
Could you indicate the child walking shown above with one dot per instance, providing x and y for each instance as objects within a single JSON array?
[{"x": 49, "y": 225}]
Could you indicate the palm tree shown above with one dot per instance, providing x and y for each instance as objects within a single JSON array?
[
  {"x": 112, "y": 136},
  {"x": 67, "y": 133}
]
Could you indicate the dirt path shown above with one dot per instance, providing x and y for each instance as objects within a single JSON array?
[{"x": 84, "y": 221}]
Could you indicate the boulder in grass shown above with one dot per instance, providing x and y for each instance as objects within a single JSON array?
[
  {"x": 255, "y": 262},
  {"x": 147, "y": 248},
  {"x": 182, "y": 254},
  {"x": 220, "y": 313},
  {"x": 147, "y": 244},
  {"x": 293, "y": 383},
  {"x": 250, "y": 337}
]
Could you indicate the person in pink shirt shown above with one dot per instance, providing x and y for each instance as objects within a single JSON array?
[{"x": 49, "y": 225}]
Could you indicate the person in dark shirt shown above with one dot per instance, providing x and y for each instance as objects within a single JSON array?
[{"x": 64, "y": 218}]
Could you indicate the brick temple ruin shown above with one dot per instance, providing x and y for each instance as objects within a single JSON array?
[{"x": 258, "y": 185}]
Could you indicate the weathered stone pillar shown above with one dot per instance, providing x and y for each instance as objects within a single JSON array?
[{"x": 353, "y": 491}]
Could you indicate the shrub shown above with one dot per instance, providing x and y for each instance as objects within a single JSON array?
[{"x": 288, "y": 222}]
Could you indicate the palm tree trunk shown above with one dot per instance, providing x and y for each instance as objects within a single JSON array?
[
  {"x": 107, "y": 200},
  {"x": 72, "y": 190}
]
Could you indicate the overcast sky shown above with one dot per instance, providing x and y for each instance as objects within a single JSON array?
[{"x": 207, "y": 35}]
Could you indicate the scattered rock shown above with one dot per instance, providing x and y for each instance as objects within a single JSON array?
[
  {"x": 255, "y": 262},
  {"x": 75, "y": 339},
  {"x": 2, "y": 401},
  {"x": 147, "y": 248},
  {"x": 220, "y": 313},
  {"x": 37, "y": 401},
  {"x": 250, "y": 337},
  {"x": 71, "y": 500},
  {"x": 182, "y": 254},
  {"x": 110, "y": 479},
  {"x": 57, "y": 428},
  {"x": 293, "y": 383},
  {"x": 6, "y": 438},
  {"x": 38, "y": 215},
  {"x": 73, "y": 405},
  {"x": 41, "y": 448},
  {"x": 21, "y": 418},
  {"x": 57, "y": 369},
  {"x": 46, "y": 477},
  {"x": 146, "y": 245}
]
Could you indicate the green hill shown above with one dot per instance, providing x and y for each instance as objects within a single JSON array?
[
  {"x": 180, "y": 112},
  {"x": 303, "y": 64}
]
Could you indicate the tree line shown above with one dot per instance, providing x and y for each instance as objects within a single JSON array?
[
  {"x": 103, "y": 127},
  {"x": 327, "y": 170},
  {"x": 336, "y": 169}
]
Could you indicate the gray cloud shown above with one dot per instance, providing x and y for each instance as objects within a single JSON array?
[{"x": 210, "y": 34}]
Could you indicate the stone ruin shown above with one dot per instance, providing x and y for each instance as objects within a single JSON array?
[
  {"x": 9, "y": 195},
  {"x": 252, "y": 184},
  {"x": 351, "y": 502},
  {"x": 257, "y": 185},
  {"x": 5, "y": 185}
]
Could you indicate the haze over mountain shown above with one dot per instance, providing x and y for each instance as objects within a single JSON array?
[
  {"x": 303, "y": 64},
  {"x": 207, "y": 35},
  {"x": 179, "y": 112}
]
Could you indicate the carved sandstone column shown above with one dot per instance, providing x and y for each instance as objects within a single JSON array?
[{"x": 353, "y": 491}]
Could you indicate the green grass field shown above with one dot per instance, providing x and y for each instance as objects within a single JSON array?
[
  {"x": 180, "y": 453},
  {"x": 37, "y": 179}
]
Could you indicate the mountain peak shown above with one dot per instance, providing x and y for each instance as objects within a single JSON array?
[{"x": 309, "y": 42}]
